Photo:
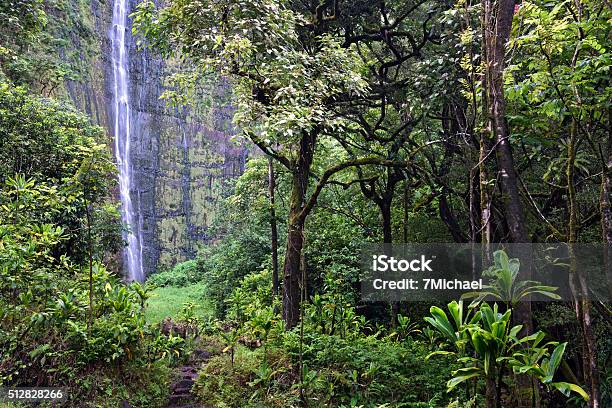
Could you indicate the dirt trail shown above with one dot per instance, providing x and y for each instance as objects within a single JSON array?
[{"x": 180, "y": 395}]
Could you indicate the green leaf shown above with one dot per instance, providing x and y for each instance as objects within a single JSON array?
[
  {"x": 555, "y": 360},
  {"x": 535, "y": 337},
  {"x": 501, "y": 259},
  {"x": 565, "y": 388},
  {"x": 465, "y": 374},
  {"x": 440, "y": 322},
  {"x": 456, "y": 311},
  {"x": 439, "y": 353},
  {"x": 545, "y": 292},
  {"x": 514, "y": 331},
  {"x": 479, "y": 343}
]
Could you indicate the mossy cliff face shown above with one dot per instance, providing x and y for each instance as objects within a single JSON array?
[
  {"x": 87, "y": 51},
  {"x": 181, "y": 163}
]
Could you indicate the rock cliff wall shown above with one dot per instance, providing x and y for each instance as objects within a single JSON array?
[{"x": 182, "y": 164}]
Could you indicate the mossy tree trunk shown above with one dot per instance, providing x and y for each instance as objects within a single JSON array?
[
  {"x": 498, "y": 23},
  {"x": 582, "y": 305},
  {"x": 273, "y": 225},
  {"x": 300, "y": 168}
]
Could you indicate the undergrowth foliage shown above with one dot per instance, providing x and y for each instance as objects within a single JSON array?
[
  {"x": 65, "y": 318},
  {"x": 395, "y": 121}
]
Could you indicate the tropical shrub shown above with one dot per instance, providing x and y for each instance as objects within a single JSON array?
[
  {"x": 51, "y": 145},
  {"x": 488, "y": 347},
  {"x": 181, "y": 274}
]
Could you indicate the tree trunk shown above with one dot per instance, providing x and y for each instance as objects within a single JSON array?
[
  {"x": 491, "y": 392},
  {"x": 606, "y": 207},
  {"x": 406, "y": 212},
  {"x": 291, "y": 270},
  {"x": 273, "y": 227},
  {"x": 485, "y": 200},
  {"x": 384, "y": 205},
  {"x": 589, "y": 359},
  {"x": 498, "y": 23},
  {"x": 582, "y": 305},
  {"x": 474, "y": 224},
  {"x": 385, "y": 213},
  {"x": 295, "y": 236},
  {"x": 497, "y": 35},
  {"x": 485, "y": 135},
  {"x": 606, "y": 191}
]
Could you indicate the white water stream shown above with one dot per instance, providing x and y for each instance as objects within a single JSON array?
[{"x": 119, "y": 56}]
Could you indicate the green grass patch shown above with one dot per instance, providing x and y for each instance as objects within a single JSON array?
[{"x": 168, "y": 301}]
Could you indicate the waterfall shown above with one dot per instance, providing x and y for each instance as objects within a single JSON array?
[{"x": 119, "y": 56}]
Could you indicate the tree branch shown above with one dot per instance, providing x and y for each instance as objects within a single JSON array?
[
  {"x": 268, "y": 150},
  {"x": 335, "y": 169}
]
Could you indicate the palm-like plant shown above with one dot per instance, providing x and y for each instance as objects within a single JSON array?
[
  {"x": 455, "y": 333},
  {"x": 535, "y": 361},
  {"x": 497, "y": 348},
  {"x": 230, "y": 338},
  {"x": 505, "y": 287},
  {"x": 405, "y": 328},
  {"x": 142, "y": 291}
]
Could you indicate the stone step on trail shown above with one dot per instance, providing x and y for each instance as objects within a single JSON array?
[
  {"x": 181, "y": 395},
  {"x": 176, "y": 398}
]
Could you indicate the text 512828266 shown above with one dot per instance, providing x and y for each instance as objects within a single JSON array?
[{"x": 32, "y": 394}]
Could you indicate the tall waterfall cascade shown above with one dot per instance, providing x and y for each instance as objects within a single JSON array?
[{"x": 120, "y": 62}]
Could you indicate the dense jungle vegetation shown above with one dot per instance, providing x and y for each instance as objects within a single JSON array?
[{"x": 395, "y": 121}]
